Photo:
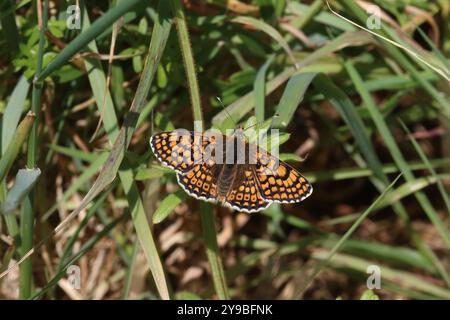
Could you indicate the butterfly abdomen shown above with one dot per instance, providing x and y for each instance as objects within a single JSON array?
[{"x": 225, "y": 180}]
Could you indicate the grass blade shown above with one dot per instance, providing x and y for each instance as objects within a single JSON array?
[
  {"x": 259, "y": 88},
  {"x": 25, "y": 180},
  {"x": 14, "y": 110},
  {"x": 403, "y": 279},
  {"x": 291, "y": 98},
  {"x": 20, "y": 135},
  {"x": 242, "y": 106},
  {"x": 347, "y": 110},
  {"x": 167, "y": 205},
  {"x": 97, "y": 28},
  {"x": 270, "y": 31},
  {"x": 188, "y": 59},
  {"x": 396, "y": 153},
  {"x": 212, "y": 251},
  {"x": 209, "y": 229},
  {"x": 429, "y": 166},
  {"x": 409, "y": 176},
  {"x": 344, "y": 238}
]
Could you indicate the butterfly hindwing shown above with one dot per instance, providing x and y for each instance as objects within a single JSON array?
[
  {"x": 200, "y": 182},
  {"x": 244, "y": 195}
]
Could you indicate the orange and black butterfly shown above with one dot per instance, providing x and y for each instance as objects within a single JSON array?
[{"x": 248, "y": 184}]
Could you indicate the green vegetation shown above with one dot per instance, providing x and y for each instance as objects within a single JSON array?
[{"x": 363, "y": 113}]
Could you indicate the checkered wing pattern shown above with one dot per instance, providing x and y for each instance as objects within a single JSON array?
[
  {"x": 200, "y": 182},
  {"x": 180, "y": 150},
  {"x": 278, "y": 181},
  {"x": 253, "y": 185},
  {"x": 244, "y": 195}
]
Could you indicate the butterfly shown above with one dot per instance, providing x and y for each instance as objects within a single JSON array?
[{"x": 229, "y": 170}]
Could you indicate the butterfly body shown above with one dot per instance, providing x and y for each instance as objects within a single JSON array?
[
  {"x": 225, "y": 179},
  {"x": 229, "y": 170}
]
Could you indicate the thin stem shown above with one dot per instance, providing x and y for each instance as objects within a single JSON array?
[
  {"x": 209, "y": 229},
  {"x": 27, "y": 215},
  {"x": 188, "y": 59},
  {"x": 212, "y": 251}
]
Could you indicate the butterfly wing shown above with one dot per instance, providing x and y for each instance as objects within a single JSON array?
[
  {"x": 244, "y": 195},
  {"x": 200, "y": 182},
  {"x": 278, "y": 181},
  {"x": 256, "y": 185},
  {"x": 180, "y": 150}
]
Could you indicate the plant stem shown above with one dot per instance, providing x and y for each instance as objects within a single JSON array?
[
  {"x": 188, "y": 59},
  {"x": 27, "y": 215},
  {"x": 212, "y": 251},
  {"x": 209, "y": 229}
]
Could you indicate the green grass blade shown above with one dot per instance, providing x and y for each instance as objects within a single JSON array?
[
  {"x": 344, "y": 238},
  {"x": 97, "y": 28},
  {"x": 14, "y": 110},
  {"x": 20, "y": 135},
  {"x": 74, "y": 153},
  {"x": 188, "y": 59},
  {"x": 411, "y": 188},
  {"x": 207, "y": 216},
  {"x": 404, "y": 279},
  {"x": 243, "y": 105},
  {"x": 429, "y": 166},
  {"x": 27, "y": 213},
  {"x": 396, "y": 153},
  {"x": 85, "y": 248},
  {"x": 259, "y": 88},
  {"x": 347, "y": 110},
  {"x": 167, "y": 205},
  {"x": 212, "y": 251},
  {"x": 352, "y": 173},
  {"x": 270, "y": 31},
  {"x": 394, "y": 255},
  {"x": 305, "y": 13},
  {"x": 292, "y": 96},
  {"x": 25, "y": 180},
  {"x": 399, "y": 56}
]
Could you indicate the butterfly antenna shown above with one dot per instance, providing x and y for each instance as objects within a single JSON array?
[
  {"x": 258, "y": 123},
  {"x": 225, "y": 109}
]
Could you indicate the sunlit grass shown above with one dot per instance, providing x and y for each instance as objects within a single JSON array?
[{"x": 349, "y": 105}]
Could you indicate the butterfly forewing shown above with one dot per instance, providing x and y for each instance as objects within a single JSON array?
[
  {"x": 180, "y": 150},
  {"x": 278, "y": 181}
]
